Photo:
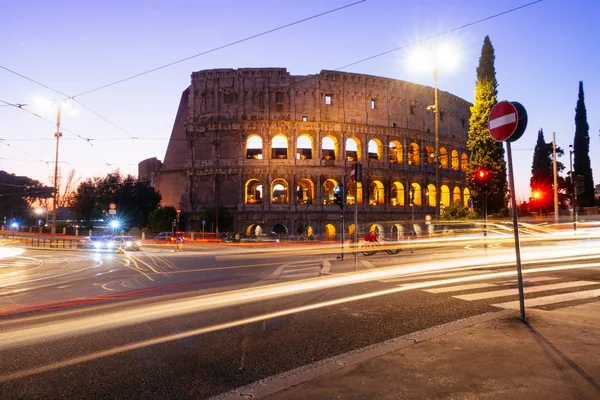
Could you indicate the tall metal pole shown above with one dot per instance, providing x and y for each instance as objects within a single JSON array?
[
  {"x": 513, "y": 208},
  {"x": 437, "y": 143},
  {"x": 355, "y": 219},
  {"x": 574, "y": 189},
  {"x": 58, "y": 134},
  {"x": 555, "y": 178}
]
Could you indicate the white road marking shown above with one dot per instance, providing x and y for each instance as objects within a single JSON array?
[
  {"x": 458, "y": 288},
  {"x": 531, "y": 289},
  {"x": 427, "y": 277},
  {"x": 557, "y": 298}
]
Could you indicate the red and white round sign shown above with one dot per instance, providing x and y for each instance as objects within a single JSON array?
[
  {"x": 112, "y": 206},
  {"x": 503, "y": 121}
]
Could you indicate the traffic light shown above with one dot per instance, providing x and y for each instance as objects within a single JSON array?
[
  {"x": 481, "y": 179},
  {"x": 338, "y": 195},
  {"x": 537, "y": 194},
  {"x": 579, "y": 184}
]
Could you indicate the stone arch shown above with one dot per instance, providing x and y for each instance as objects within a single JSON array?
[
  {"x": 416, "y": 194},
  {"x": 353, "y": 149},
  {"x": 397, "y": 194},
  {"x": 280, "y": 229},
  {"x": 329, "y": 145},
  {"x": 304, "y": 147},
  {"x": 254, "y": 230},
  {"x": 464, "y": 162},
  {"x": 378, "y": 229},
  {"x": 466, "y": 197},
  {"x": 350, "y": 200},
  {"x": 430, "y": 195},
  {"x": 305, "y": 191},
  {"x": 279, "y": 191},
  {"x": 396, "y": 232},
  {"x": 455, "y": 160},
  {"x": 327, "y": 191},
  {"x": 253, "y": 194},
  {"x": 375, "y": 149},
  {"x": 254, "y": 147},
  {"x": 395, "y": 152},
  {"x": 376, "y": 194},
  {"x": 329, "y": 232},
  {"x": 456, "y": 195},
  {"x": 414, "y": 157},
  {"x": 279, "y": 147},
  {"x": 430, "y": 155},
  {"x": 443, "y": 158},
  {"x": 445, "y": 196}
]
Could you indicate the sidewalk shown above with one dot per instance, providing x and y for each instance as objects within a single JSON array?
[{"x": 556, "y": 355}]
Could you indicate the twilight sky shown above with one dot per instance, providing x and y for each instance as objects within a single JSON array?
[{"x": 542, "y": 52}]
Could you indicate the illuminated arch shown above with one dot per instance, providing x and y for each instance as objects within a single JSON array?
[
  {"x": 466, "y": 197},
  {"x": 430, "y": 155},
  {"x": 279, "y": 191},
  {"x": 374, "y": 149},
  {"x": 350, "y": 193},
  {"x": 396, "y": 232},
  {"x": 397, "y": 194},
  {"x": 329, "y": 232},
  {"x": 304, "y": 147},
  {"x": 414, "y": 158},
  {"x": 455, "y": 161},
  {"x": 353, "y": 152},
  {"x": 279, "y": 147},
  {"x": 328, "y": 147},
  {"x": 395, "y": 152},
  {"x": 376, "y": 194},
  {"x": 253, "y": 193},
  {"x": 443, "y": 157},
  {"x": 445, "y": 196},
  {"x": 305, "y": 191},
  {"x": 464, "y": 162},
  {"x": 430, "y": 195},
  {"x": 416, "y": 194},
  {"x": 456, "y": 195},
  {"x": 254, "y": 147},
  {"x": 327, "y": 191}
]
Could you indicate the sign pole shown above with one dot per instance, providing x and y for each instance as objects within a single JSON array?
[
  {"x": 513, "y": 208},
  {"x": 356, "y": 167},
  {"x": 555, "y": 178}
]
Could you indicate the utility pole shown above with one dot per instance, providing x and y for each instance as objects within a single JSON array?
[
  {"x": 436, "y": 113},
  {"x": 573, "y": 188},
  {"x": 58, "y": 134}
]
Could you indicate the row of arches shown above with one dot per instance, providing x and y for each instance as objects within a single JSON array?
[
  {"x": 353, "y": 151},
  {"x": 398, "y": 195}
]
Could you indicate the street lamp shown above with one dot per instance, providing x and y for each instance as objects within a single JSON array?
[
  {"x": 573, "y": 188},
  {"x": 429, "y": 59}
]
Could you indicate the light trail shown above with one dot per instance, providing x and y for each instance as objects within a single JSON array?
[{"x": 263, "y": 317}]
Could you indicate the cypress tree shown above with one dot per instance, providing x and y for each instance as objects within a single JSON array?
[
  {"x": 486, "y": 152},
  {"x": 581, "y": 148},
  {"x": 542, "y": 172}
]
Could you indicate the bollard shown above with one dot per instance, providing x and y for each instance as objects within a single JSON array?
[
  {"x": 90, "y": 232},
  {"x": 192, "y": 236},
  {"x": 143, "y": 235},
  {"x": 76, "y": 231},
  {"x": 65, "y": 230},
  {"x": 30, "y": 229}
]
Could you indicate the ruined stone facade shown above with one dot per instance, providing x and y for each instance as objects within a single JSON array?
[{"x": 272, "y": 147}]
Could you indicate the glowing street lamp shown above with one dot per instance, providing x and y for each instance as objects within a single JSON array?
[{"x": 443, "y": 55}]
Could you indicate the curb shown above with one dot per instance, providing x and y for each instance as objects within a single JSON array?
[{"x": 277, "y": 383}]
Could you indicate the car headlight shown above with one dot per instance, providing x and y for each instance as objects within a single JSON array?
[
  {"x": 139, "y": 243},
  {"x": 110, "y": 244},
  {"x": 128, "y": 244}
]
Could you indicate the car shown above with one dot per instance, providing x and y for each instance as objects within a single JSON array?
[
  {"x": 100, "y": 243},
  {"x": 85, "y": 243},
  {"x": 127, "y": 243},
  {"x": 164, "y": 236}
]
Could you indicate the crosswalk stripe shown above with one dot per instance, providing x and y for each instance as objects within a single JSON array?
[
  {"x": 527, "y": 280},
  {"x": 302, "y": 267},
  {"x": 427, "y": 277},
  {"x": 531, "y": 289},
  {"x": 460, "y": 287},
  {"x": 302, "y": 273},
  {"x": 557, "y": 298}
]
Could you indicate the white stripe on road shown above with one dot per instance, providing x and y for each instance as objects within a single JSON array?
[
  {"x": 532, "y": 289},
  {"x": 427, "y": 277},
  {"x": 557, "y": 298},
  {"x": 301, "y": 267},
  {"x": 458, "y": 288},
  {"x": 504, "y": 120},
  {"x": 527, "y": 280}
]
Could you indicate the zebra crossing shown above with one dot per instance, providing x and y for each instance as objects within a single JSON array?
[{"x": 539, "y": 290}]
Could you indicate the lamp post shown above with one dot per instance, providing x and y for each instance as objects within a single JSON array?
[
  {"x": 57, "y": 134},
  {"x": 436, "y": 123}
]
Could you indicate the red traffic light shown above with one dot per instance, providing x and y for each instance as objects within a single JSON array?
[
  {"x": 537, "y": 194},
  {"x": 482, "y": 174}
]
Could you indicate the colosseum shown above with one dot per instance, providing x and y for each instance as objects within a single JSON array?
[{"x": 271, "y": 147}]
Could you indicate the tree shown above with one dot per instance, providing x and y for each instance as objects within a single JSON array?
[
  {"x": 581, "y": 148},
  {"x": 542, "y": 173},
  {"x": 225, "y": 218},
  {"x": 134, "y": 199},
  {"x": 18, "y": 193},
  {"x": 162, "y": 218},
  {"x": 486, "y": 152}
]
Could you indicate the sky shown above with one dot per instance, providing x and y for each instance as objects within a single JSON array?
[{"x": 542, "y": 52}]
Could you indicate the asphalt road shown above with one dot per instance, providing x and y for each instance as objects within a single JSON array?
[{"x": 199, "y": 323}]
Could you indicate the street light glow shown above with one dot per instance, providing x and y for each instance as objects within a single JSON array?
[
  {"x": 38, "y": 211},
  {"x": 443, "y": 55},
  {"x": 114, "y": 224}
]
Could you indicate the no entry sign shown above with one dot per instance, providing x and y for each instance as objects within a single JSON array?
[{"x": 507, "y": 121}]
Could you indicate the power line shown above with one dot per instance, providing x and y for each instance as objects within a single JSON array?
[
  {"x": 364, "y": 60},
  {"x": 220, "y": 48}
]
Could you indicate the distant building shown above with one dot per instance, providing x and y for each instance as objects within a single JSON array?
[
  {"x": 597, "y": 192},
  {"x": 272, "y": 147}
]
